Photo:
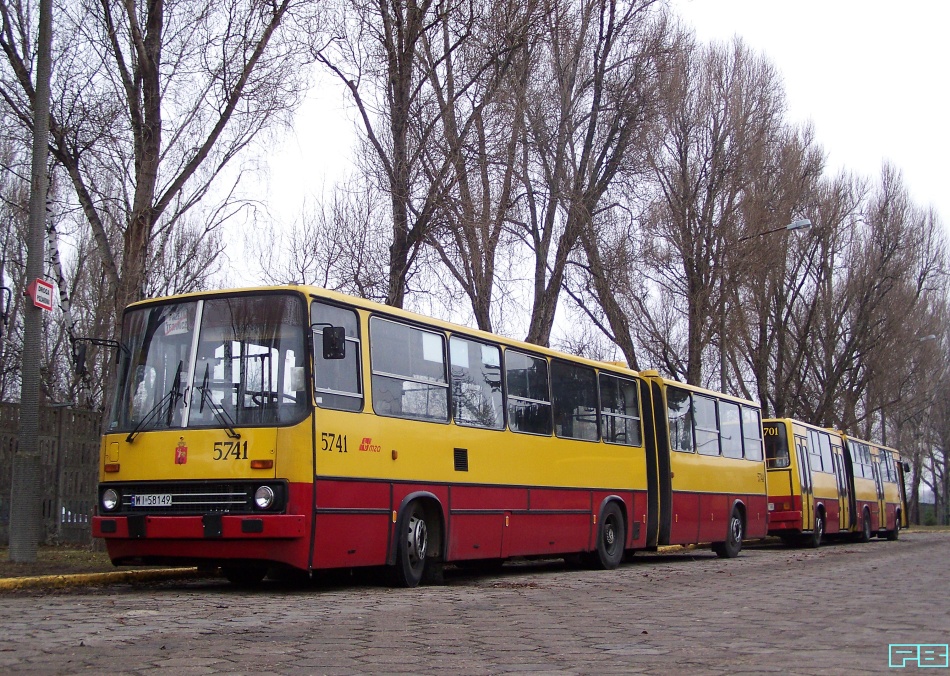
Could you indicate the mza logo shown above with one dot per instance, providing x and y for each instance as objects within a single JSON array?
[
  {"x": 368, "y": 445},
  {"x": 181, "y": 452},
  {"x": 919, "y": 655}
]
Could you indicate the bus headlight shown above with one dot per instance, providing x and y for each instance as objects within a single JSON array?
[
  {"x": 110, "y": 499},
  {"x": 264, "y": 497}
]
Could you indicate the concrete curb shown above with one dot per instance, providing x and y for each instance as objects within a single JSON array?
[{"x": 92, "y": 579}]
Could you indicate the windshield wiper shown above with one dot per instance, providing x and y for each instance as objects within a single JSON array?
[
  {"x": 172, "y": 397},
  {"x": 219, "y": 412}
]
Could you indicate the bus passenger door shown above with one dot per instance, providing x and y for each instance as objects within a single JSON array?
[
  {"x": 844, "y": 495},
  {"x": 804, "y": 472},
  {"x": 881, "y": 506}
]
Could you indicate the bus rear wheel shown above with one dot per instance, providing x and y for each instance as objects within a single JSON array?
[
  {"x": 412, "y": 547},
  {"x": 733, "y": 545},
  {"x": 611, "y": 537}
]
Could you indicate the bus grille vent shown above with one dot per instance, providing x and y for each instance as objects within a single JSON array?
[{"x": 461, "y": 459}]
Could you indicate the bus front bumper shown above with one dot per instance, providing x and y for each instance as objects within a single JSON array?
[{"x": 200, "y": 527}]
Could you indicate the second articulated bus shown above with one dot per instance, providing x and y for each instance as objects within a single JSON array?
[
  {"x": 822, "y": 482},
  {"x": 296, "y": 427}
]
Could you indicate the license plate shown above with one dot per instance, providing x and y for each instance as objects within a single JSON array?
[{"x": 152, "y": 500}]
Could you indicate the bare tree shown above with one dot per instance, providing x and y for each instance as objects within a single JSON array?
[
  {"x": 477, "y": 89},
  {"x": 587, "y": 100},
  {"x": 153, "y": 103},
  {"x": 375, "y": 51},
  {"x": 723, "y": 110}
]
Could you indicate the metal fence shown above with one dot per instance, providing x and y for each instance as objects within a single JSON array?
[{"x": 69, "y": 450}]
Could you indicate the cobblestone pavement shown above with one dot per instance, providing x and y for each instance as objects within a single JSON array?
[{"x": 830, "y": 610}]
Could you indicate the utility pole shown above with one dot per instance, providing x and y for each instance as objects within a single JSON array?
[{"x": 26, "y": 493}]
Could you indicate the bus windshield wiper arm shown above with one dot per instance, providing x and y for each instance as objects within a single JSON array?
[
  {"x": 172, "y": 397},
  {"x": 219, "y": 412}
]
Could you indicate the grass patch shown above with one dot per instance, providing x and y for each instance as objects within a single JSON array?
[{"x": 59, "y": 560}]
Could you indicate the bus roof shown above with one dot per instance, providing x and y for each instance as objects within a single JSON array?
[{"x": 372, "y": 306}]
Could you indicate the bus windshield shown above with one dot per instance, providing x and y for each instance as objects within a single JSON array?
[
  {"x": 776, "y": 445},
  {"x": 219, "y": 362}
]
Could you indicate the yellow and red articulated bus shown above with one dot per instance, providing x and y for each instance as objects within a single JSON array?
[
  {"x": 294, "y": 427},
  {"x": 879, "y": 497},
  {"x": 816, "y": 487}
]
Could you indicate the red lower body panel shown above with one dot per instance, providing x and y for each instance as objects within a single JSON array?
[{"x": 343, "y": 523}]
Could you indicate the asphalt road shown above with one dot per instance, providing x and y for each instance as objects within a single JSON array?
[{"x": 831, "y": 610}]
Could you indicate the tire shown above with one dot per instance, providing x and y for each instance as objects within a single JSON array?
[
  {"x": 412, "y": 544},
  {"x": 818, "y": 532},
  {"x": 896, "y": 533},
  {"x": 244, "y": 576},
  {"x": 611, "y": 538},
  {"x": 733, "y": 545},
  {"x": 865, "y": 534}
]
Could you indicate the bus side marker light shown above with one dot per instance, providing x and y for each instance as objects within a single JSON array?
[
  {"x": 262, "y": 464},
  {"x": 394, "y": 511},
  {"x": 112, "y": 467},
  {"x": 395, "y": 454}
]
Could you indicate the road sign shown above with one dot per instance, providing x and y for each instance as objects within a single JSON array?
[{"x": 41, "y": 292}]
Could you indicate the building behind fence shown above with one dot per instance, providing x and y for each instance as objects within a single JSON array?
[{"x": 69, "y": 450}]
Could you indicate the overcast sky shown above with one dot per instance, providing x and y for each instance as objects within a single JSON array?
[{"x": 871, "y": 76}]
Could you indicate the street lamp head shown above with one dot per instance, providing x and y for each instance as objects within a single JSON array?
[
  {"x": 923, "y": 339},
  {"x": 800, "y": 224}
]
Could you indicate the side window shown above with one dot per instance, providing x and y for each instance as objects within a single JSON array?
[
  {"x": 619, "y": 411},
  {"x": 574, "y": 391},
  {"x": 408, "y": 371},
  {"x": 679, "y": 412},
  {"x": 337, "y": 382},
  {"x": 814, "y": 452},
  {"x": 476, "y": 384},
  {"x": 752, "y": 433},
  {"x": 825, "y": 442},
  {"x": 707, "y": 425},
  {"x": 529, "y": 401},
  {"x": 730, "y": 427}
]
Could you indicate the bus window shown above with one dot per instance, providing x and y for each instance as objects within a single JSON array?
[
  {"x": 476, "y": 384},
  {"x": 776, "y": 446},
  {"x": 408, "y": 371},
  {"x": 337, "y": 382},
  {"x": 814, "y": 452},
  {"x": 752, "y": 433},
  {"x": 707, "y": 426},
  {"x": 529, "y": 401},
  {"x": 680, "y": 416},
  {"x": 575, "y": 401},
  {"x": 825, "y": 447},
  {"x": 619, "y": 411},
  {"x": 730, "y": 427}
]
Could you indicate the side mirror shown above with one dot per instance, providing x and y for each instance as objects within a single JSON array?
[
  {"x": 906, "y": 466},
  {"x": 334, "y": 342}
]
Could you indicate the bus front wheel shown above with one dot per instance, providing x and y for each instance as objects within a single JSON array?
[
  {"x": 412, "y": 547},
  {"x": 733, "y": 545}
]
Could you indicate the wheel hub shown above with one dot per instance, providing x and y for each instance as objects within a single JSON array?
[{"x": 418, "y": 538}]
